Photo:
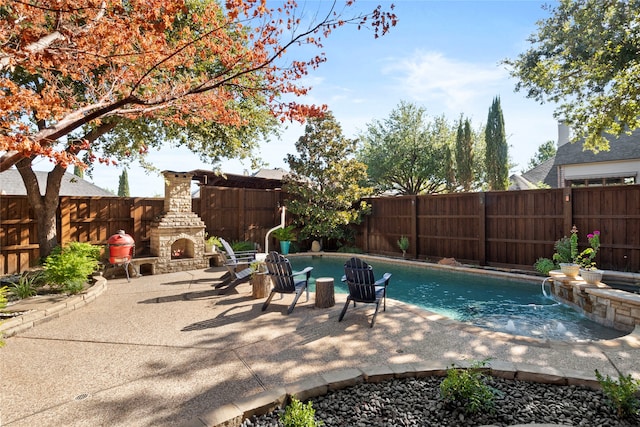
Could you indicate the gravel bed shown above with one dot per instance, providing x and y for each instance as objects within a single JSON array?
[{"x": 416, "y": 402}]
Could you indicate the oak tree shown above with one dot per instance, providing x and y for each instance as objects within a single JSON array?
[
  {"x": 407, "y": 152},
  {"x": 586, "y": 58},
  {"x": 89, "y": 78}
]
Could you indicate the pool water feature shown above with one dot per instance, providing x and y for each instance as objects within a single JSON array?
[{"x": 499, "y": 304}]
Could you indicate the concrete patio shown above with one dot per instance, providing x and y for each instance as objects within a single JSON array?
[{"x": 165, "y": 349}]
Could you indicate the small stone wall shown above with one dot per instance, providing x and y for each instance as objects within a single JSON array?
[{"x": 610, "y": 307}]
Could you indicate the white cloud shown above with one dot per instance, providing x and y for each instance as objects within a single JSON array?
[{"x": 429, "y": 76}]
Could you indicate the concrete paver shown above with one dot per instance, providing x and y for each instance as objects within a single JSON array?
[{"x": 163, "y": 349}]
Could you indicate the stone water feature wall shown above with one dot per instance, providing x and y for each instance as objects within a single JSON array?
[
  {"x": 177, "y": 238},
  {"x": 610, "y": 307}
]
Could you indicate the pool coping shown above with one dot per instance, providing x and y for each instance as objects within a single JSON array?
[{"x": 465, "y": 268}]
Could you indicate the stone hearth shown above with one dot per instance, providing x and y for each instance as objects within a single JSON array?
[{"x": 177, "y": 238}]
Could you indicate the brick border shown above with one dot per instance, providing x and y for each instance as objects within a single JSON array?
[
  {"x": 233, "y": 414},
  {"x": 27, "y": 321}
]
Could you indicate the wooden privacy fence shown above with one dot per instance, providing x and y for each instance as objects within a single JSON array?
[
  {"x": 507, "y": 229},
  {"x": 232, "y": 213},
  {"x": 502, "y": 229}
]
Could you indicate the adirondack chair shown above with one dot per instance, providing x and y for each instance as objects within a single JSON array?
[
  {"x": 363, "y": 287},
  {"x": 232, "y": 262},
  {"x": 285, "y": 280}
]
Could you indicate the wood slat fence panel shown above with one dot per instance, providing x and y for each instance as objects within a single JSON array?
[
  {"x": 239, "y": 213},
  {"x": 19, "y": 248},
  {"x": 616, "y": 214},
  {"x": 509, "y": 229}
]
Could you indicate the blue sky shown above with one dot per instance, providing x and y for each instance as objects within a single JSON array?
[{"x": 443, "y": 55}]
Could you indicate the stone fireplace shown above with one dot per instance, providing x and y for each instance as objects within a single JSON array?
[{"x": 177, "y": 237}]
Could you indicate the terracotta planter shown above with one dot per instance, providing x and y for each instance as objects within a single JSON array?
[
  {"x": 592, "y": 277},
  {"x": 569, "y": 269}
]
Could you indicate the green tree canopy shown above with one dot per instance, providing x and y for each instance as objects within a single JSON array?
[
  {"x": 586, "y": 58},
  {"x": 407, "y": 152},
  {"x": 86, "y": 82},
  {"x": 324, "y": 182},
  {"x": 497, "y": 150},
  {"x": 545, "y": 152}
]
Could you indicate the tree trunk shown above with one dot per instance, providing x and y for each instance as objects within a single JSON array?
[
  {"x": 44, "y": 207},
  {"x": 325, "y": 294}
]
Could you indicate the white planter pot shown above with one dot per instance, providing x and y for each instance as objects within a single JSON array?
[
  {"x": 569, "y": 269},
  {"x": 592, "y": 277}
]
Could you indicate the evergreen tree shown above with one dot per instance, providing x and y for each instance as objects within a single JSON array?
[
  {"x": 497, "y": 150},
  {"x": 464, "y": 155},
  {"x": 324, "y": 182},
  {"x": 123, "y": 184},
  {"x": 78, "y": 171}
]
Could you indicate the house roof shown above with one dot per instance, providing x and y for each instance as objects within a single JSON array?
[
  {"x": 625, "y": 147},
  {"x": 72, "y": 185},
  {"x": 545, "y": 172},
  {"x": 276, "y": 173},
  {"x": 207, "y": 177}
]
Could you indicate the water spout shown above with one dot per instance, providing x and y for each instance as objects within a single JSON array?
[
  {"x": 282, "y": 223},
  {"x": 544, "y": 291},
  {"x": 511, "y": 327}
]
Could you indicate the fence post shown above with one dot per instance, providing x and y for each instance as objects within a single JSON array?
[
  {"x": 567, "y": 208},
  {"x": 242, "y": 229},
  {"x": 65, "y": 220},
  {"x": 482, "y": 229},
  {"x": 414, "y": 226},
  {"x": 136, "y": 216}
]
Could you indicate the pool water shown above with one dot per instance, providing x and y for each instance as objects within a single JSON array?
[{"x": 499, "y": 304}]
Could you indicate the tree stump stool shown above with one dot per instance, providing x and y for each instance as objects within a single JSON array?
[
  {"x": 325, "y": 295},
  {"x": 260, "y": 285}
]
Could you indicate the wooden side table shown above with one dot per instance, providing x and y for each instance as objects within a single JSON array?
[{"x": 325, "y": 293}]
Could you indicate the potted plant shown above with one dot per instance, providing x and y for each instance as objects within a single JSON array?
[
  {"x": 403, "y": 244},
  {"x": 285, "y": 236},
  {"x": 211, "y": 244},
  {"x": 588, "y": 270},
  {"x": 566, "y": 254}
]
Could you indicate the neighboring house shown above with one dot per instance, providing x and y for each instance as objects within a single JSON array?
[
  {"x": 72, "y": 185},
  {"x": 574, "y": 167}
]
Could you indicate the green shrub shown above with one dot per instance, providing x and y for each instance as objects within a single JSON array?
[
  {"x": 242, "y": 246},
  {"x": 544, "y": 265},
  {"x": 69, "y": 267},
  {"x": 621, "y": 394},
  {"x": 467, "y": 387},
  {"x": 350, "y": 250},
  {"x": 403, "y": 243},
  {"x": 27, "y": 284},
  {"x": 298, "y": 414}
]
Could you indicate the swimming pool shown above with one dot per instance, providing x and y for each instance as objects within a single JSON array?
[{"x": 499, "y": 304}]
